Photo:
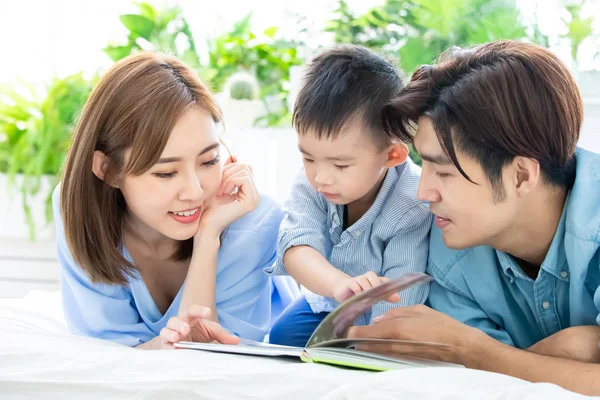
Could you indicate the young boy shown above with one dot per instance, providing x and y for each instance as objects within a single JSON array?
[{"x": 353, "y": 219}]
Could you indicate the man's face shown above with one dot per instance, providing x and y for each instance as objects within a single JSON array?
[{"x": 466, "y": 212}]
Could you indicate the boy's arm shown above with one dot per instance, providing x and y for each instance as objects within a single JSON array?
[
  {"x": 312, "y": 270},
  {"x": 304, "y": 241}
]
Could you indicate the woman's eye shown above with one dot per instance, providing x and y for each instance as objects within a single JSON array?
[
  {"x": 164, "y": 175},
  {"x": 214, "y": 161}
]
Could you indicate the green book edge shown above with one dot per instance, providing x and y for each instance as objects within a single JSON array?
[{"x": 310, "y": 359}]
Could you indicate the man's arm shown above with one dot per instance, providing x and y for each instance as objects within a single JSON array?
[
  {"x": 462, "y": 344},
  {"x": 580, "y": 343},
  {"x": 577, "y": 376}
]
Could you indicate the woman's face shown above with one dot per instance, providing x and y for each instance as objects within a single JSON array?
[{"x": 171, "y": 196}]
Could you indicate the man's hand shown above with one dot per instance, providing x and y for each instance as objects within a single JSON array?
[{"x": 455, "y": 342}]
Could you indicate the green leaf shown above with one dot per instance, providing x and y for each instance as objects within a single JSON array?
[
  {"x": 191, "y": 58},
  {"x": 147, "y": 10},
  {"x": 270, "y": 32},
  {"x": 165, "y": 18},
  {"x": 117, "y": 53},
  {"x": 137, "y": 24}
]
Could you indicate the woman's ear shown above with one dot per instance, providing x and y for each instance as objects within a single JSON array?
[
  {"x": 397, "y": 154},
  {"x": 100, "y": 164}
]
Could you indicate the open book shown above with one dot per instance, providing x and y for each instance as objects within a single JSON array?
[{"x": 329, "y": 343}]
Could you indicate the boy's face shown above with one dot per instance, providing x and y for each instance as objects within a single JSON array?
[{"x": 345, "y": 169}]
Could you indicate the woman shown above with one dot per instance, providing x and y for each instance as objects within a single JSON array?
[{"x": 159, "y": 238}]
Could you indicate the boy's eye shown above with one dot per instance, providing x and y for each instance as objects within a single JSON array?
[
  {"x": 164, "y": 175},
  {"x": 342, "y": 166},
  {"x": 214, "y": 161},
  {"x": 308, "y": 160},
  {"x": 442, "y": 174}
]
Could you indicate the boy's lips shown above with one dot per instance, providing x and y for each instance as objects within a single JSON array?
[{"x": 330, "y": 195}]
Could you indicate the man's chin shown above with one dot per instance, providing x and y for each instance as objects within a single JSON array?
[{"x": 454, "y": 243}]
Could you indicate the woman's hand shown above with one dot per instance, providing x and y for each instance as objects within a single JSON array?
[
  {"x": 194, "y": 326},
  {"x": 236, "y": 197}
]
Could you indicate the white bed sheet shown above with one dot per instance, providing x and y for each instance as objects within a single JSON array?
[{"x": 40, "y": 358}]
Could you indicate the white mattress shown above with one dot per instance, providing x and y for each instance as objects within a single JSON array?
[{"x": 39, "y": 358}]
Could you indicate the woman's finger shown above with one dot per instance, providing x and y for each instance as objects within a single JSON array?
[
  {"x": 169, "y": 335},
  {"x": 227, "y": 186},
  {"x": 179, "y": 325},
  {"x": 218, "y": 333}
]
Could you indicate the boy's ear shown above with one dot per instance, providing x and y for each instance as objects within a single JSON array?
[
  {"x": 100, "y": 166},
  {"x": 397, "y": 154}
]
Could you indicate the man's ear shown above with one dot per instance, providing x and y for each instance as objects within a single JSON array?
[
  {"x": 526, "y": 174},
  {"x": 397, "y": 153},
  {"x": 100, "y": 164}
]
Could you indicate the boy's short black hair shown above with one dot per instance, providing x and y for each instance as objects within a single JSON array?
[{"x": 346, "y": 84}]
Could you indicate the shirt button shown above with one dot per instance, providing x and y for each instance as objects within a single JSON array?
[
  {"x": 545, "y": 305},
  {"x": 356, "y": 234},
  {"x": 336, "y": 219},
  {"x": 564, "y": 274}
]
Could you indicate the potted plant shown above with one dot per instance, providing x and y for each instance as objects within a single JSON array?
[
  {"x": 240, "y": 103},
  {"x": 35, "y": 129}
]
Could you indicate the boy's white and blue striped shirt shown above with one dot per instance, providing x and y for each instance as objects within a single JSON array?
[{"x": 390, "y": 239}]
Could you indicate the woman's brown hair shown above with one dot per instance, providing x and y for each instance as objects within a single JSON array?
[
  {"x": 134, "y": 106},
  {"x": 494, "y": 102}
]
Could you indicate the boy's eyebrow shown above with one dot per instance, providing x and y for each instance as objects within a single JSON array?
[
  {"x": 336, "y": 158},
  {"x": 167, "y": 160}
]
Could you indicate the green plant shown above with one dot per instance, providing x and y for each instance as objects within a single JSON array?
[
  {"x": 417, "y": 31},
  {"x": 263, "y": 55},
  {"x": 241, "y": 90},
  {"x": 579, "y": 28},
  {"x": 37, "y": 127},
  {"x": 162, "y": 30}
]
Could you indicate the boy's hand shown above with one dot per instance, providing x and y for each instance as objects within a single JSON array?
[{"x": 352, "y": 286}]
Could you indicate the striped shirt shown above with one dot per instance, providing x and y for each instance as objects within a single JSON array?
[{"x": 390, "y": 239}]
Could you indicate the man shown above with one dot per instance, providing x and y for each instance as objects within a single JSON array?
[{"x": 514, "y": 252}]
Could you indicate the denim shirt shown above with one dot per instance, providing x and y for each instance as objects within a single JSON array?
[
  {"x": 487, "y": 289},
  {"x": 390, "y": 239}
]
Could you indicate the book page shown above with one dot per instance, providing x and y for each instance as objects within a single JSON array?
[
  {"x": 339, "y": 321},
  {"x": 245, "y": 346}
]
